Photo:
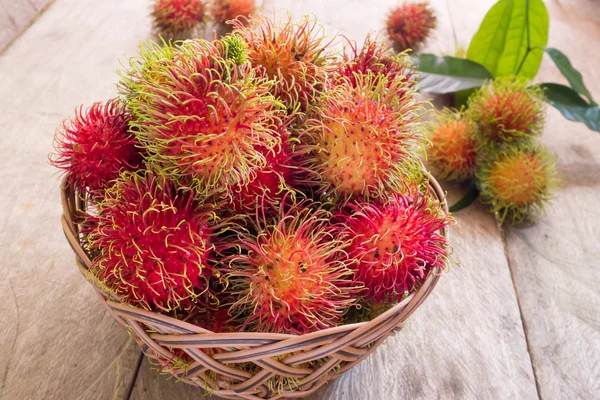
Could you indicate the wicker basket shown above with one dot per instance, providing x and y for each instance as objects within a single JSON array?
[{"x": 221, "y": 360}]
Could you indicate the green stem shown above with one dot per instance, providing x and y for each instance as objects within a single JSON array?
[{"x": 528, "y": 37}]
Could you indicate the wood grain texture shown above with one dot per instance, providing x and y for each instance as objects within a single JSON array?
[
  {"x": 16, "y": 16},
  {"x": 56, "y": 340},
  {"x": 555, "y": 261}
]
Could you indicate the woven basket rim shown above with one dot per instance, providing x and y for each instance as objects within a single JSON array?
[{"x": 84, "y": 263}]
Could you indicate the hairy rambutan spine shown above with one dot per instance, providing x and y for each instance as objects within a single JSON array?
[
  {"x": 154, "y": 243},
  {"x": 201, "y": 118},
  {"x": 95, "y": 146},
  {"x": 375, "y": 58},
  {"x": 410, "y": 24},
  {"x": 518, "y": 181},
  {"x": 361, "y": 141},
  {"x": 397, "y": 243},
  {"x": 452, "y": 154},
  {"x": 178, "y": 19},
  {"x": 293, "y": 54},
  {"x": 292, "y": 275},
  {"x": 507, "y": 110}
]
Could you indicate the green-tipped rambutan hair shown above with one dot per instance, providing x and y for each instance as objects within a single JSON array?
[
  {"x": 377, "y": 58},
  {"x": 236, "y": 49},
  {"x": 517, "y": 181},
  {"x": 507, "y": 110},
  {"x": 292, "y": 275},
  {"x": 293, "y": 54},
  {"x": 178, "y": 19},
  {"x": 452, "y": 153},
  {"x": 201, "y": 117},
  {"x": 362, "y": 140}
]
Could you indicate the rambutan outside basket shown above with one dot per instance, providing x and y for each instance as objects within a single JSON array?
[{"x": 309, "y": 360}]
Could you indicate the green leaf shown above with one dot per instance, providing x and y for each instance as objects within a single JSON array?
[
  {"x": 573, "y": 76},
  {"x": 444, "y": 74},
  {"x": 469, "y": 197},
  {"x": 502, "y": 40},
  {"x": 572, "y": 106}
]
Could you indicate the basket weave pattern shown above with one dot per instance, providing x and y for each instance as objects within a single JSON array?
[{"x": 221, "y": 360}]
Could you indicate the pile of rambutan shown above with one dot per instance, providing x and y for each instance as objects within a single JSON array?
[
  {"x": 260, "y": 182},
  {"x": 184, "y": 19},
  {"x": 492, "y": 143}
]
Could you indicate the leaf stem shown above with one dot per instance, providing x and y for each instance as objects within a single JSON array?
[
  {"x": 528, "y": 37},
  {"x": 452, "y": 25}
]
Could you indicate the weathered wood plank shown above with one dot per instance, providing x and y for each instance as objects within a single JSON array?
[
  {"x": 16, "y": 16},
  {"x": 467, "y": 340},
  {"x": 56, "y": 339},
  {"x": 555, "y": 261}
]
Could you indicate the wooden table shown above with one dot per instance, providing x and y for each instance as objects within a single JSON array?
[{"x": 520, "y": 319}]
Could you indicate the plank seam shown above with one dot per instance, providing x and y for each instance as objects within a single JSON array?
[
  {"x": 135, "y": 375},
  {"x": 28, "y": 25},
  {"x": 523, "y": 323}
]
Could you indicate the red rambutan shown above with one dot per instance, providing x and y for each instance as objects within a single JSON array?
[
  {"x": 378, "y": 59},
  {"x": 270, "y": 184},
  {"x": 396, "y": 241},
  {"x": 178, "y": 19},
  {"x": 96, "y": 146},
  {"x": 361, "y": 140},
  {"x": 410, "y": 24},
  {"x": 291, "y": 276},
  {"x": 225, "y": 10},
  {"x": 200, "y": 121},
  {"x": 293, "y": 55},
  {"x": 154, "y": 243}
]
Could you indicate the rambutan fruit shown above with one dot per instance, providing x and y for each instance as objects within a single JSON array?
[
  {"x": 378, "y": 59},
  {"x": 268, "y": 187},
  {"x": 507, "y": 109},
  {"x": 452, "y": 154},
  {"x": 222, "y": 11},
  {"x": 95, "y": 146},
  {"x": 154, "y": 244},
  {"x": 361, "y": 140},
  {"x": 517, "y": 182},
  {"x": 397, "y": 243},
  {"x": 178, "y": 19},
  {"x": 292, "y": 275},
  {"x": 200, "y": 119},
  {"x": 292, "y": 54},
  {"x": 410, "y": 24}
]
